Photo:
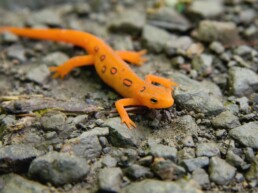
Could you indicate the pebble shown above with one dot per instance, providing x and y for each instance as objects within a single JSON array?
[
  {"x": 15, "y": 183},
  {"x": 136, "y": 172},
  {"x": 87, "y": 145},
  {"x": 58, "y": 168},
  {"x": 193, "y": 164},
  {"x": 217, "y": 47},
  {"x": 110, "y": 179},
  {"x": 203, "y": 64},
  {"x": 167, "y": 152},
  {"x": 207, "y": 149},
  {"x": 235, "y": 160},
  {"x": 129, "y": 21},
  {"x": 224, "y": 32},
  {"x": 55, "y": 59},
  {"x": 220, "y": 171},
  {"x": 168, "y": 18},
  {"x": 109, "y": 161},
  {"x": 120, "y": 135},
  {"x": 201, "y": 177},
  {"x": 38, "y": 74},
  {"x": 243, "y": 104},
  {"x": 45, "y": 17},
  {"x": 185, "y": 153},
  {"x": 178, "y": 44},
  {"x": 246, "y": 134},
  {"x": 242, "y": 81},
  {"x": 16, "y": 158},
  {"x": 53, "y": 121},
  {"x": 152, "y": 41},
  {"x": 154, "y": 186},
  {"x": 188, "y": 141},
  {"x": 16, "y": 52},
  {"x": 207, "y": 9},
  {"x": 167, "y": 170},
  {"x": 225, "y": 120},
  {"x": 8, "y": 38}
]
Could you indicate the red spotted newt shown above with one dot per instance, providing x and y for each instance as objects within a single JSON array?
[{"x": 110, "y": 67}]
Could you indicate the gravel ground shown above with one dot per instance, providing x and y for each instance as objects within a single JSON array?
[{"x": 65, "y": 136}]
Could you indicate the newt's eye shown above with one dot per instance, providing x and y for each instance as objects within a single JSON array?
[{"x": 153, "y": 100}]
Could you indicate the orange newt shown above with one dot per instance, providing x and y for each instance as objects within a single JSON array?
[{"x": 111, "y": 68}]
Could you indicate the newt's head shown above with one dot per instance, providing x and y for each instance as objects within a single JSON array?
[{"x": 154, "y": 97}]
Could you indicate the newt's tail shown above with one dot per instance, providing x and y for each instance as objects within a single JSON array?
[{"x": 59, "y": 35}]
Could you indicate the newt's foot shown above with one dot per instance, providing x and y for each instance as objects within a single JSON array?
[
  {"x": 59, "y": 71},
  {"x": 139, "y": 60},
  {"x": 128, "y": 122}
]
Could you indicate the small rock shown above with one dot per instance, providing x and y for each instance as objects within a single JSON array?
[
  {"x": 168, "y": 18},
  {"x": 243, "y": 104},
  {"x": 17, "y": 52},
  {"x": 146, "y": 161},
  {"x": 45, "y": 17},
  {"x": 55, "y": 59},
  {"x": 242, "y": 81},
  {"x": 193, "y": 164},
  {"x": 246, "y": 134},
  {"x": 188, "y": 141},
  {"x": 125, "y": 156},
  {"x": 9, "y": 38},
  {"x": 138, "y": 172},
  {"x": 252, "y": 174},
  {"x": 235, "y": 160},
  {"x": 120, "y": 135},
  {"x": 225, "y": 120},
  {"x": 203, "y": 64},
  {"x": 247, "y": 16},
  {"x": 152, "y": 41},
  {"x": 220, "y": 171},
  {"x": 217, "y": 47},
  {"x": 224, "y": 32},
  {"x": 178, "y": 44},
  {"x": 154, "y": 186},
  {"x": 109, "y": 161},
  {"x": 53, "y": 120},
  {"x": 167, "y": 170},
  {"x": 167, "y": 152},
  {"x": 201, "y": 177},
  {"x": 58, "y": 168},
  {"x": 15, "y": 183},
  {"x": 130, "y": 21},
  {"x": 207, "y": 9},
  {"x": 185, "y": 153},
  {"x": 207, "y": 149},
  {"x": 38, "y": 74},
  {"x": 16, "y": 158},
  {"x": 110, "y": 179}
]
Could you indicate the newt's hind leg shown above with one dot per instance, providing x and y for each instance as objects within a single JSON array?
[
  {"x": 160, "y": 80},
  {"x": 62, "y": 70},
  {"x": 133, "y": 57}
]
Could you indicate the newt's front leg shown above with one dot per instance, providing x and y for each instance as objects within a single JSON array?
[
  {"x": 133, "y": 57},
  {"x": 120, "y": 104},
  {"x": 160, "y": 80}
]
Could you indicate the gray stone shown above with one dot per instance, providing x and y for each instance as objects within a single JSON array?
[
  {"x": 120, "y": 135},
  {"x": 247, "y": 16},
  {"x": 9, "y": 37},
  {"x": 243, "y": 104},
  {"x": 188, "y": 141},
  {"x": 235, "y": 160},
  {"x": 58, "y": 168},
  {"x": 110, "y": 179},
  {"x": 53, "y": 120},
  {"x": 129, "y": 21},
  {"x": 16, "y": 52},
  {"x": 86, "y": 146},
  {"x": 55, "y": 59},
  {"x": 38, "y": 74},
  {"x": 167, "y": 170},
  {"x": 154, "y": 186},
  {"x": 220, "y": 171},
  {"x": 167, "y": 152},
  {"x": 201, "y": 177},
  {"x": 125, "y": 156},
  {"x": 12, "y": 183},
  {"x": 169, "y": 18},
  {"x": 185, "y": 153},
  {"x": 15, "y": 158},
  {"x": 217, "y": 47},
  {"x": 178, "y": 44},
  {"x": 207, "y": 149},
  {"x": 193, "y": 164},
  {"x": 203, "y": 64},
  {"x": 225, "y": 120},
  {"x": 242, "y": 81},
  {"x": 155, "y": 38},
  {"x": 138, "y": 172},
  {"x": 224, "y": 32},
  {"x": 46, "y": 17},
  {"x": 109, "y": 161},
  {"x": 207, "y": 9},
  {"x": 246, "y": 134},
  {"x": 252, "y": 173}
]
